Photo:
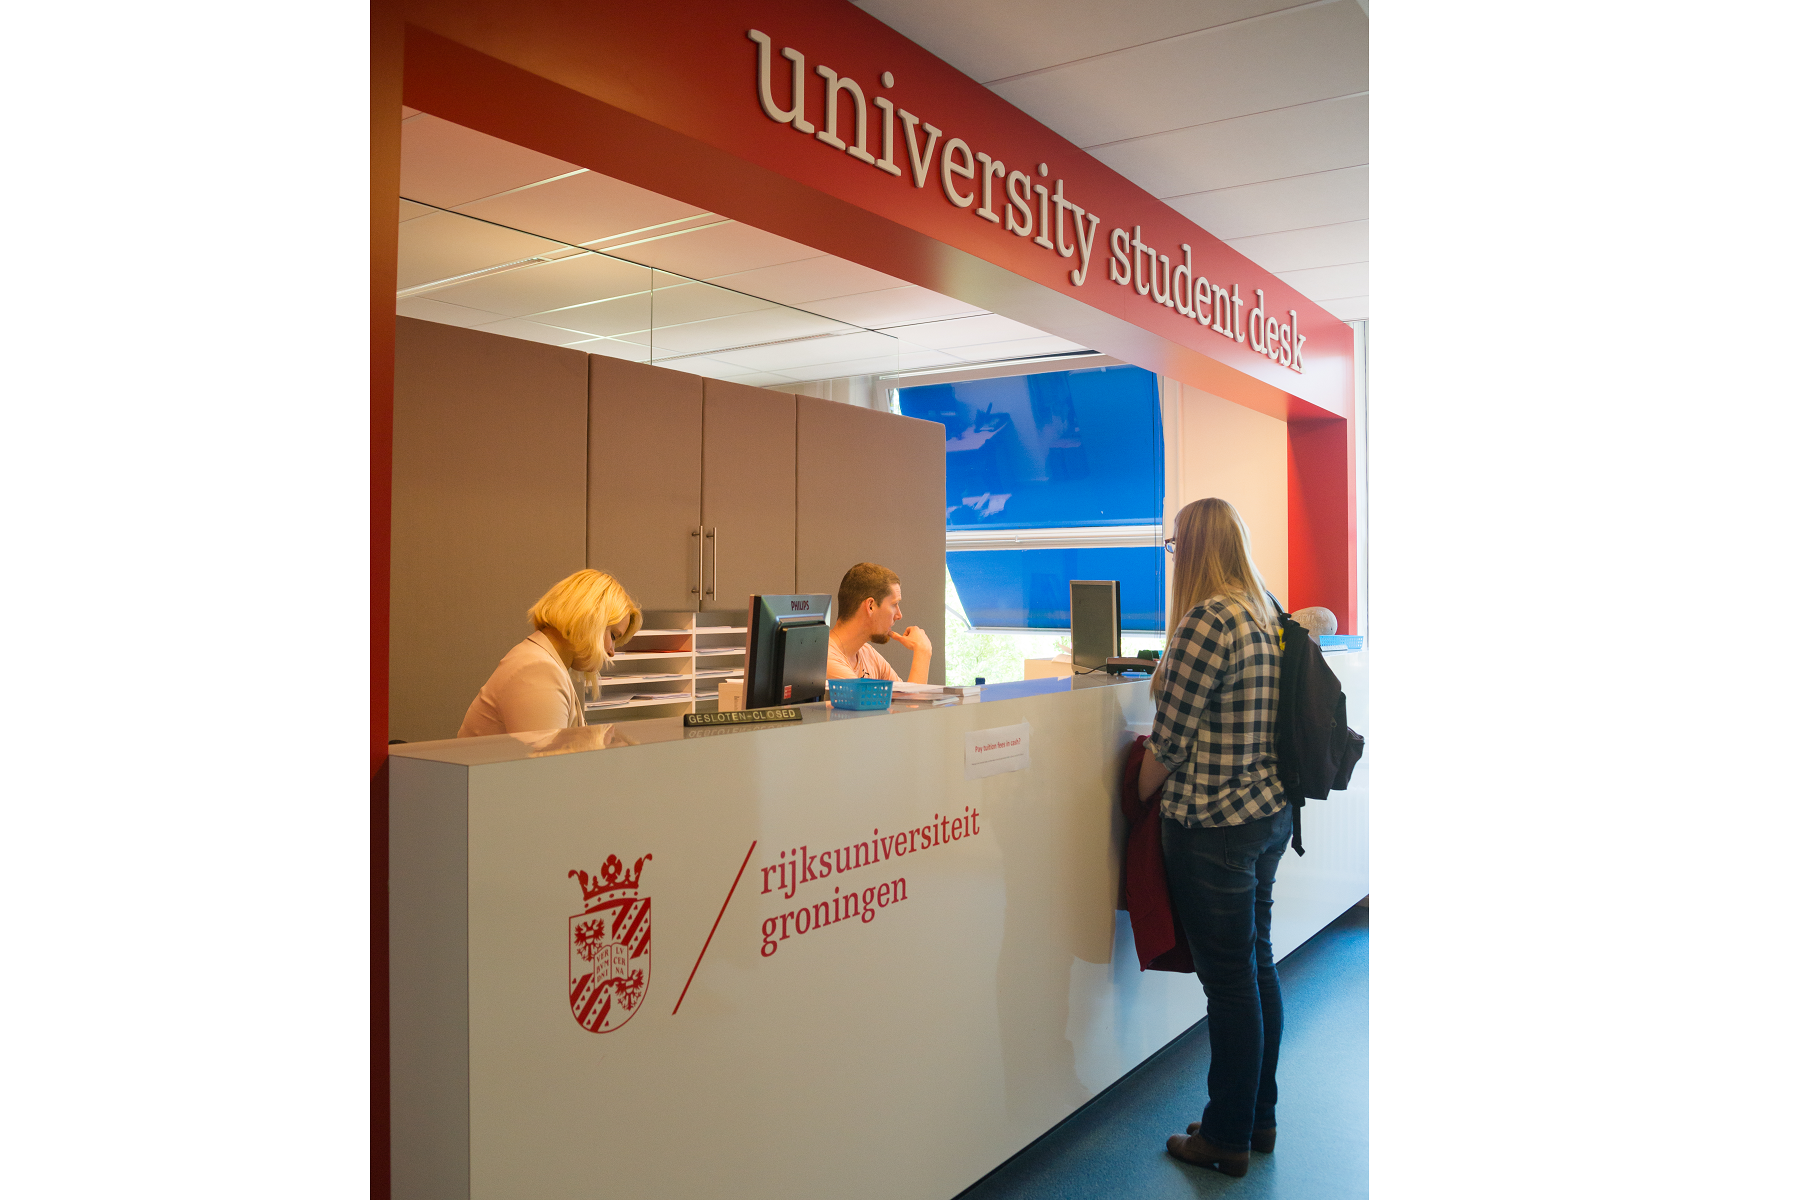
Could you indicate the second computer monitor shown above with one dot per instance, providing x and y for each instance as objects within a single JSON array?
[{"x": 1093, "y": 623}]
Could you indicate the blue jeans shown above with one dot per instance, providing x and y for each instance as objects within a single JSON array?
[{"x": 1222, "y": 882}]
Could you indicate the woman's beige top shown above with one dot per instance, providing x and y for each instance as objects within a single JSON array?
[{"x": 529, "y": 690}]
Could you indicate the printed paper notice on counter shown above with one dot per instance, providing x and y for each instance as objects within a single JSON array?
[{"x": 992, "y": 751}]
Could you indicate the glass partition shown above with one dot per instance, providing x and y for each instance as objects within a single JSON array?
[{"x": 463, "y": 270}]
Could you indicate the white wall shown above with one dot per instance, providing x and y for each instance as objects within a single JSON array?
[{"x": 1217, "y": 448}]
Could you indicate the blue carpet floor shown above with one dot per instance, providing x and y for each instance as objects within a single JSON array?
[{"x": 1113, "y": 1146}]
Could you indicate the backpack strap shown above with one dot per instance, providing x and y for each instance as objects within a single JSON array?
[{"x": 1296, "y": 800}]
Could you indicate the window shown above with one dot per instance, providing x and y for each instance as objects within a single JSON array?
[
  {"x": 1050, "y": 477},
  {"x": 1063, "y": 449},
  {"x": 1029, "y": 589}
]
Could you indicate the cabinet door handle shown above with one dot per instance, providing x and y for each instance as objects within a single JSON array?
[
  {"x": 713, "y": 535},
  {"x": 699, "y": 568}
]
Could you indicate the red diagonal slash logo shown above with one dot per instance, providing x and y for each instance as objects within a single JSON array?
[{"x": 715, "y": 929}]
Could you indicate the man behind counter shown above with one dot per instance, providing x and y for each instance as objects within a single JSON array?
[{"x": 868, "y": 605}]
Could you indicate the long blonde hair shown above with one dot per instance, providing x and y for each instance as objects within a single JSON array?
[
  {"x": 582, "y": 607},
  {"x": 1212, "y": 558}
]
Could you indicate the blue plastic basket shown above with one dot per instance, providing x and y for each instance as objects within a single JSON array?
[{"x": 862, "y": 694}]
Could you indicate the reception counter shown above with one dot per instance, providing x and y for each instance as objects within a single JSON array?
[{"x": 863, "y": 954}]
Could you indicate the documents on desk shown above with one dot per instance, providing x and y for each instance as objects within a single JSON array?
[{"x": 933, "y": 689}]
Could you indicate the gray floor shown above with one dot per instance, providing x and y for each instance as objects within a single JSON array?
[{"x": 1114, "y": 1145}]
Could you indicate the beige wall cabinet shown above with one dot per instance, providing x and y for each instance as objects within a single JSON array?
[
  {"x": 490, "y": 474},
  {"x": 746, "y": 494},
  {"x": 643, "y": 484},
  {"x": 690, "y": 486},
  {"x": 871, "y": 489},
  {"x": 517, "y": 462}
]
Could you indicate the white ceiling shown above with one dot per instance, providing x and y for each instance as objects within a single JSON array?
[{"x": 1249, "y": 117}]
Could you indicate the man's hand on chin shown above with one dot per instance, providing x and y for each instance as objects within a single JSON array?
[{"x": 914, "y": 639}]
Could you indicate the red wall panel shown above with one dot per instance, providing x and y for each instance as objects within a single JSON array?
[{"x": 1322, "y": 518}]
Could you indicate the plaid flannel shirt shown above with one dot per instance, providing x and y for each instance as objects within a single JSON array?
[{"x": 1215, "y": 718}]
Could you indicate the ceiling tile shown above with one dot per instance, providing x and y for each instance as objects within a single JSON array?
[
  {"x": 1018, "y": 348},
  {"x": 792, "y": 355},
  {"x": 744, "y": 329},
  {"x": 1330, "y": 283},
  {"x": 997, "y": 38},
  {"x": 579, "y": 279},
  {"x": 892, "y": 306},
  {"x": 821, "y": 278},
  {"x": 582, "y": 208},
  {"x": 614, "y": 349},
  {"x": 878, "y": 365},
  {"x": 427, "y": 309},
  {"x": 964, "y": 331},
  {"x": 1272, "y": 145},
  {"x": 406, "y": 112},
  {"x": 715, "y": 250},
  {"x": 448, "y": 165},
  {"x": 1355, "y": 308},
  {"x": 607, "y": 318},
  {"x": 679, "y": 303},
  {"x": 1303, "y": 55},
  {"x": 532, "y": 331},
  {"x": 1322, "y": 198},
  {"x": 1297, "y": 249},
  {"x": 444, "y": 245},
  {"x": 711, "y": 368},
  {"x": 409, "y": 210}
]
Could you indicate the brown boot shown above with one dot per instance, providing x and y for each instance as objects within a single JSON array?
[
  {"x": 1192, "y": 1148},
  {"x": 1261, "y": 1140}
]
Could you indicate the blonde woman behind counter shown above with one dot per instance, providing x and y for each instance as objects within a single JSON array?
[{"x": 579, "y": 621}]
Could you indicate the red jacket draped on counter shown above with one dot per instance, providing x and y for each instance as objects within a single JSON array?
[{"x": 1161, "y": 943}]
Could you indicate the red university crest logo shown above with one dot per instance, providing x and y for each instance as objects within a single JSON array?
[{"x": 609, "y": 946}]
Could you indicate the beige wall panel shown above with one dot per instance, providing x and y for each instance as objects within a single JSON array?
[
  {"x": 1241, "y": 456},
  {"x": 747, "y": 493},
  {"x": 644, "y": 480},
  {"x": 490, "y": 485},
  {"x": 871, "y": 489}
]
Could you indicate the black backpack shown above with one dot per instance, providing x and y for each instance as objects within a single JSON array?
[{"x": 1315, "y": 748}]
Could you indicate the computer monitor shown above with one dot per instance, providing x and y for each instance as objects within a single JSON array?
[
  {"x": 784, "y": 662},
  {"x": 1093, "y": 623}
]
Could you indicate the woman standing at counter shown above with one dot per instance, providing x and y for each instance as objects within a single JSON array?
[
  {"x": 1225, "y": 821},
  {"x": 578, "y": 621}
]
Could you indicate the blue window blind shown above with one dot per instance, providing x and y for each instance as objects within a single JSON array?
[
  {"x": 1029, "y": 589},
  {"x": 1062, "y": 449}
]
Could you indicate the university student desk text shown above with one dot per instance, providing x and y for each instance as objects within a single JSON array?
[{"x": 917, "y": 972}]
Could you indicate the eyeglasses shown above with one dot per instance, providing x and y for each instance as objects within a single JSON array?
[{"x": 1169, "y": 545}]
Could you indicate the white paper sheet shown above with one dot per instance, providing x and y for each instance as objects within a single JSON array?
[{"x": 996, "y": 751}]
